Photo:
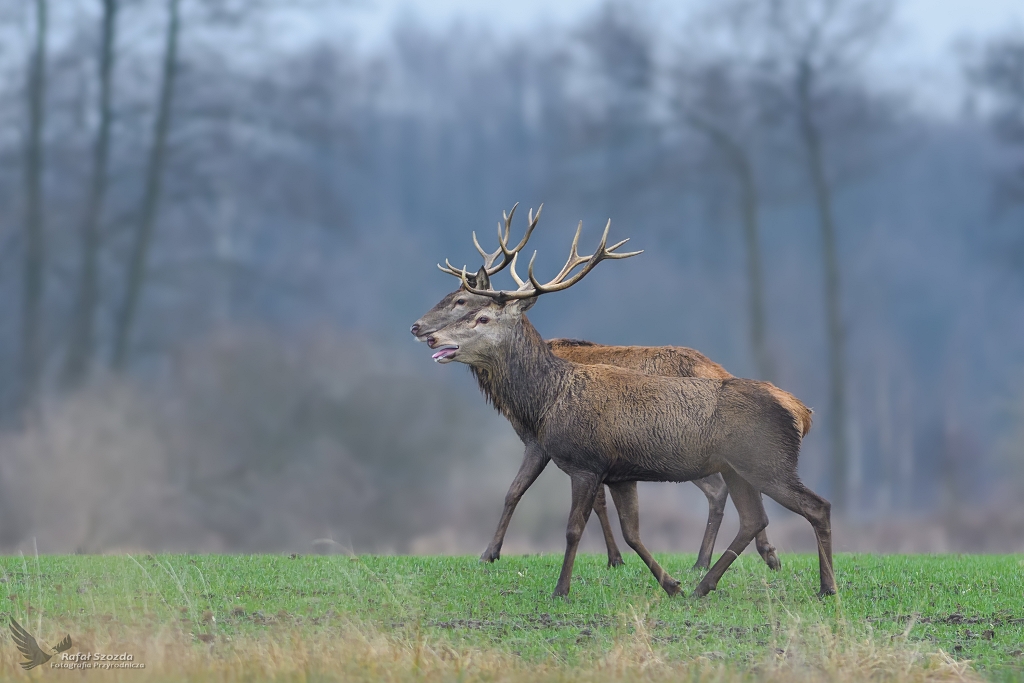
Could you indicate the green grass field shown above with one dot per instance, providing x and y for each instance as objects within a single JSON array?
[{"x": 969, "y": 606}]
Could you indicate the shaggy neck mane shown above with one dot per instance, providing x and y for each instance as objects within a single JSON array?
[{"x": 523, "y": 378}]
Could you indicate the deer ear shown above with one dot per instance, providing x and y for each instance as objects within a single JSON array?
[{"x": 482, "y": 281}]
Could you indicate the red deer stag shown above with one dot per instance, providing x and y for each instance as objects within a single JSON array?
[
  {"x": 675, "y": 361},
  {"x": 607, "y": 425}
]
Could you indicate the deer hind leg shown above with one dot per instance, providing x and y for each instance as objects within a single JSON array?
[
  {"x": 534, "y": 462},
  {"x": 601, "y": 508},
  {"x": 767, "y": 551},
  {"x": 793, "y": 495},
  {"x": 584, "y": 490},
  {"x": 715, "y": 489},
  {"x": 628, "y": 507},
  {"x": 753, "y": 519}
]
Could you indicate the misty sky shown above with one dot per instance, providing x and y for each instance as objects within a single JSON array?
[
  {"x": 934, "y": 23},
  {"x": 919, "y": 56}
]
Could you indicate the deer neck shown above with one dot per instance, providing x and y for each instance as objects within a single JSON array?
[{"x": 522, "y": 378}]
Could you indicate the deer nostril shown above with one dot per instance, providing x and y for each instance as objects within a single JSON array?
[
  {"x": 431, "y": 341},
  {"x": 415, "y": 329}
]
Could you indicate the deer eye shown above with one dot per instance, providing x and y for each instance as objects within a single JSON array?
[
  {"x": 460, "y": 302},
  {"x": 483, "y": 320}
]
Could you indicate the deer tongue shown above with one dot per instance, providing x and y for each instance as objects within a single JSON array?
[{"x": 446, "y": 351}]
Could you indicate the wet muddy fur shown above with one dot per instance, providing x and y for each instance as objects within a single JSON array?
[
  {"x": 666, "y": 360},
  {"x": 614, "y": 426}
]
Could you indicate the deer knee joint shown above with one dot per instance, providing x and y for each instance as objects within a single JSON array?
[
  {"x": 631, "y": 536},
  {"x": 719, "y": 497}
]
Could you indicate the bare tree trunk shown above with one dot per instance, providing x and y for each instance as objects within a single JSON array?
[
  {"x": 739, "y": 161},
  {"x": 811, "y": 137},
  {"x": 884, "y": 418},
  {"x": 135, "y": 275},
  {"x": 82, "y": 342},
  {"x": 35, "y": 242},
  {"x": 755, "y": 279}
]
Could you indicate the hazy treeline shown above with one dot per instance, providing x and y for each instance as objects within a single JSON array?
[{"x": 214, "y": 239}]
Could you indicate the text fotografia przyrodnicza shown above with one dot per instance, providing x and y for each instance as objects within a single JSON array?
[{"x": 97, "y": 660}]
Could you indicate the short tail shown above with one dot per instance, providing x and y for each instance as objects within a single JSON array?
[{"x": 801, "y": 413}]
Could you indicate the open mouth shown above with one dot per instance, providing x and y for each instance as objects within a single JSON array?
[{"x": 445, "y": 352}]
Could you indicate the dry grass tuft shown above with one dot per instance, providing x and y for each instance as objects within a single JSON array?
[{"x": 357, "y": 653}]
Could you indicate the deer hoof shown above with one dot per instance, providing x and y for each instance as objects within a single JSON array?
[
  {"x": 772, "y": 560},
  {"x": 490, "y": 555},
  {"x": 826, "y": 591},
  {"x": 560, "y": 592},
  {"x": 702, "y": 590},
  {"x": 615, "y": 560},
  {"x": 671, "y": 586},
  {"x": 701, "y": 566}
]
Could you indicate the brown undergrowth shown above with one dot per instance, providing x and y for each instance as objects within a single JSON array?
[{"x": 354, "y": 652}]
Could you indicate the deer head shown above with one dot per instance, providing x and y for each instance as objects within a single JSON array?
[
  {"x": 461, "y": 302},
  {"x": 475, "y": 333}
]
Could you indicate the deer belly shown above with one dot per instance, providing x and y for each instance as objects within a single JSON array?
[
  {"x": 655, "y": 469},
  {"x": 643, "y": 446},
  {"x": 653, "y": 454}
]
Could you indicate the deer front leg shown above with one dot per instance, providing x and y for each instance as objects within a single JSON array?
[
  {"x": 584, "y": 491},
  {"x": 534, "y": 462}
]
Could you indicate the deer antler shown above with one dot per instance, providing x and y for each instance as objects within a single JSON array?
[
  {"x": 508, "y": 255},
  {"x": 532, "y": 288}
]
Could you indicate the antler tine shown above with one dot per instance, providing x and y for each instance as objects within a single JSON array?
[
  {"x": 537, "y": 287},
  {"x": 604, "y": 237},
  {"x": 515, "y": 275},
  {"x": 558, "y": 283},
  {"x": 508, "y": 225},
  {"x": 529, "y": 230},
  {"x": 499, "y": 296},
  {"x": 531, "y": 287},
  {"x": 574, "y": 260},
  {"x": 451, "y": 270},
  {"x": 574, "y": 256},
  {"x": 503, "y": 250},
  {"x": 610, "y": 251},
  {"x": 488, "y": 258}
]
